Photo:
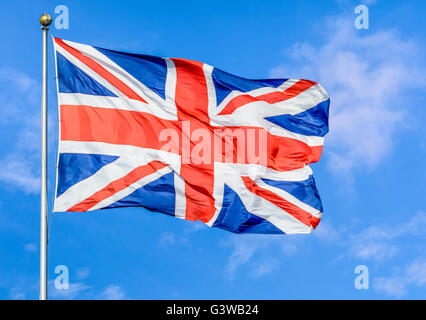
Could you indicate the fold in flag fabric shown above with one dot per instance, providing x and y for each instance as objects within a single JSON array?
[{"x": 183, "y": 138}]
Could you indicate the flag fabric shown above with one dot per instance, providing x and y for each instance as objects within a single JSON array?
[{"x": 183, "y": 138}]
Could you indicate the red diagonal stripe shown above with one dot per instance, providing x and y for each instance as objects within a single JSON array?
[
  {"x": 118, "y": 185},
  {"x": 271, "y": 98},
  {"x": 300, "y": 214},
  {"x": 104, "y": 73}
]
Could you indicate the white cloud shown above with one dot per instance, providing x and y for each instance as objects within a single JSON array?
[
  {"x": 20, "y": 101},
  {"x": 326, "y": 232},
  {"x": 253, "y": 251},
  {"x": 378, "y": 251},
  {"x": 195, "y": 226},
  {"x": 113, "y": 292},
  {"x": 289, "y": 248},
  {"x": 31, "y": 247},
  {"x": 73, "y": 291},
  {"x": 392, "y": 286},
  {"x": 243, "y": 248},
  {"x": 365, "y": 74},
  {"x": 17, "y": 294},
  {"x": 19, "y": 171},
  {"x": 83, "y": 273},
  {"x": 19, "y": 94},
  {"x": 167, "y": 239},
  {"x": 397, "y": 285},
  {"x": 264, "y": 268},
  {"x": 378, "y": 242},
  {"x": 257, "y": 254}
]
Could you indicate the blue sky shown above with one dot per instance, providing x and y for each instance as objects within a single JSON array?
[{"x": 371, "y": 177}]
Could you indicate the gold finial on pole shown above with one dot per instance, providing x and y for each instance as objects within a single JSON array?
[{"x": 45, "y": 20}]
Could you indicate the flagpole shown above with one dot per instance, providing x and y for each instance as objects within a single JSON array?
[{"x": 45, "y": 21}]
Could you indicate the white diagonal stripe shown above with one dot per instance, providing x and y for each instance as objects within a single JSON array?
[
  {"x": 230, "y": 174},
  {"x": 256, "y": 92},
  {"x": 290, "y": 198},
  {"x": 180, "y": 197},
  {"x": 131, "y": 188},
  {"x": 144, "y": 155},
  {"x": 150, "y": 96},
  {"x": 99, "y": 180},
  {"x": 87, "y": 70},
  {"x": 120, "y": 103},
  {"x": 266, "y": 209}
]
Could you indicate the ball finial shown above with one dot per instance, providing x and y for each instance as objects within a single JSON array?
[{"x": 45, "y": 20}]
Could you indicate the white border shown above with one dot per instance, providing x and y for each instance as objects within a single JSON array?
[{"x": 59, "y": 124}]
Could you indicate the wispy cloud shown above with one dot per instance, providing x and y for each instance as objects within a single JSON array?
[
  {"x": 20, "y": 171},
  {"x": 242, "y": 251},
  {"x": 264, "y": 268},
  {"x": 83, "y": 273},
  {"x": 31, "y": 247},
  {"x": 378, "y": 242},
  {"x": 18, "y": 94},
  {"x": 20, "y": 97},
  {"x": 167, "y": 239},
  {"x": 17, "y": 293},
  {"x": 365, "y": 74},
  {"x": 254, "y": 251},
  {"x": 397, "y": 285},
  {"x": 113, "y": 292},
  {"x": 258, "y": 256},
  {"x": 74, "y": 290},
  {"x": 246, "y": 249}
]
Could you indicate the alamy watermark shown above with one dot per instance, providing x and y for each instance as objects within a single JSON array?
[
  {"x": 202, "y": 146},
  {"x": 62, "y": 281},
  {"x": 362, "y": 20},
  {"x": 362, "y": 281},
  {"x": 62, "y": 20}
]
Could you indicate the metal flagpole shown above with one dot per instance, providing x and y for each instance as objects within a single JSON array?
[{"x": 45, "y": 21}]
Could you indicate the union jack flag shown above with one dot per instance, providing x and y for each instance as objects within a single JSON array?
[{"x": 183, "y": 138}]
